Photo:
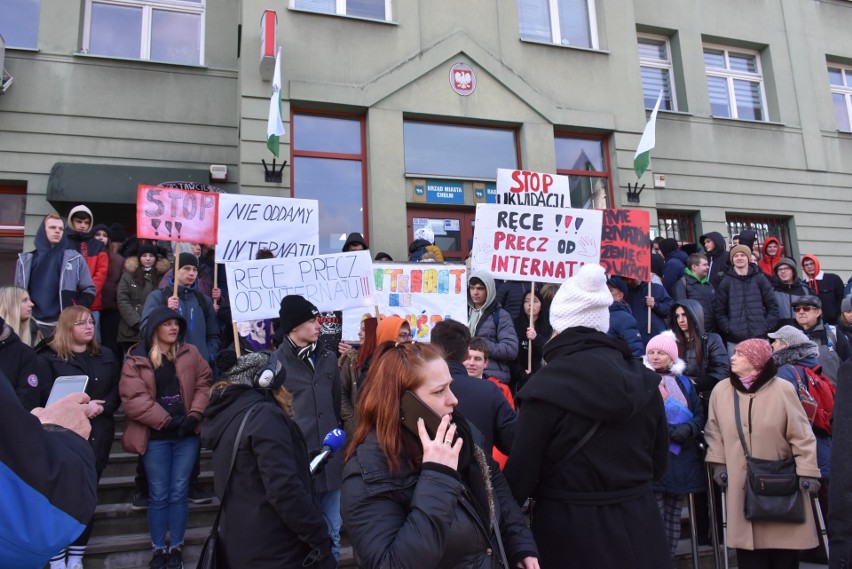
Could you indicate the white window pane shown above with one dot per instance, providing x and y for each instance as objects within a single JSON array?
[
  {"x": 455, "y": 150},
  {"x": 743, "y": 62},
  {"x": 747, "y": 96},
  {"x": 534, "y": 18},
  {"x": 115, "y": 30},
  {"x": 580, "y": 153},
  {"x": 654, "y": 79},
  {"x": 574, "y": 23},
  {"x": 652, "y": 49},
  {"x": 176, "y": 37},
  {"x": 19, "y": 22},
  {"x": 714, "y": 58},
  {"x": 326, "y": 134},
  {"x": 841, "y": 112},
  {"x": 374, "y": 9},
  {"x": 835, "y": 76},
  {"x": 317, "y": 5},
  {"x": 717, "y": 88}
]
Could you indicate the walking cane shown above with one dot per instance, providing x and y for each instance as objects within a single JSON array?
[
  {"x": 711, "y": 502},
  {"x": 693, "y": 530},
  {"x": 725, "y": 524},
  {"x": 823, "y": 534}
]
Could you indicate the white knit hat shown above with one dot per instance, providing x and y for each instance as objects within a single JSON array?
[
  {"x": 426, "y": 234},
  {"x": 583, "y": 300}
]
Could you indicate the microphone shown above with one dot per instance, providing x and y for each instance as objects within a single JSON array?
[{"x": 332, "y": 442}]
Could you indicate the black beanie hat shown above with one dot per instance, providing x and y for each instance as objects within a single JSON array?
[
  {"x": 295, "y": 310},
  {"x": 147, "y": 248},
  {"x": 187, "y": 259},
  {"x": 116, "y": 233}
]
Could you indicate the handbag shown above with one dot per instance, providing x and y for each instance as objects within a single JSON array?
[
  {"x": 772, "y": 486},
  {"x": 208, "y": 559}
]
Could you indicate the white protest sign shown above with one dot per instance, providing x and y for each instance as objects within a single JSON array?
[
  {"x": 538, "y": 244},
  {"x": 522, "y": 187},
  {"x": 331, "y": 282},
  {"x": 422, "y": 293},
  {"x": 288, "y": 227}
]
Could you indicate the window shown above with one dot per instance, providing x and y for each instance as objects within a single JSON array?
[
  {"x": 563, "y": 22},
  {"x": 763, "y": 226},
  {"x": 458, "y": 151},
  {"x": 677, "y": 226},
  {"x": 13, "y": 205},
  {"x": 734, "y": 83},
  {"x": 655, "y": 62},
  {"x": 840, "y": 79},
  {"x": 585, "y": 160},
  {"x": 170, "y": 31},
  {"x": 372, "y": 9},
  {"x": 329, "y": 165},
  {"x": 19, "y": 23}
]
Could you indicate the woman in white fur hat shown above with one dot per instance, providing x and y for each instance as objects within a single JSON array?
[{"x": 685, "y": 415}]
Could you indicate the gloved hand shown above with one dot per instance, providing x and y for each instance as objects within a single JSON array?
[
  {"x": 680, "y": 433},
  {"x": 809, "y": 485},
  {"x": 187, "y": 428},
  {"x": 720, "y": 475},
  {"x": 174, "y": 423}
]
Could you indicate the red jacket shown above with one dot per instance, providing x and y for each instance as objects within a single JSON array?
[
  {"x": 767, "y": 263},
  {"x": 139, "y": 393},
  {"x": 498, "y": 456}
]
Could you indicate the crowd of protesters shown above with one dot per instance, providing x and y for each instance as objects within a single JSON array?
[{"x": 589, "y": 403}]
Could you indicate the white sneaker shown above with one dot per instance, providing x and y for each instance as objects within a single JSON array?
[{"x": 78, "y": 565}]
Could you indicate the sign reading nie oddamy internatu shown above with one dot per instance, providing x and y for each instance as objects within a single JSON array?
[
  {"x": 287, "y": 227},
  {"x": 331, "y": 282},
  {"x": 534, "y": 243}
]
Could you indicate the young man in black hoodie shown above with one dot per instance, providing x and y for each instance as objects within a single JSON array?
[{"x": 714, "y": 245}]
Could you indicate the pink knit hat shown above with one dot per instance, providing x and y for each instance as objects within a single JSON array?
[
  {"x": 665, "y": 342},
  {"x": 758, "y": 352}
]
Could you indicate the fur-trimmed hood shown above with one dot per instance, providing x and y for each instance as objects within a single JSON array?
[
  {"x": 677, "y": 368},
  {"x": 794, "y": 354}
]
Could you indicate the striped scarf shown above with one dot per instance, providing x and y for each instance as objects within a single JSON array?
[{"x": 306, "y": 354}]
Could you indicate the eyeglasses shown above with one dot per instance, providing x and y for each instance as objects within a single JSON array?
[
  {"x": 404, "y": 336},
  {"x": 85, "y": 323},
  {"x": 803, "y": 308}
]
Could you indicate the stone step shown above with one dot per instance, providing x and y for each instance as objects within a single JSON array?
[
  {"x": 119, "y": 519},
  {"x": 119, "y": 489},
  {"x": 124, "y": 463}
]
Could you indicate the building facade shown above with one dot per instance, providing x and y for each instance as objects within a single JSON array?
[{"x": 399, "y": 112}]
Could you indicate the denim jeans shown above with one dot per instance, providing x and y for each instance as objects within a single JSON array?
[
  {"x": 168, "y": 464},
  {"x": 329, "y": 504}
]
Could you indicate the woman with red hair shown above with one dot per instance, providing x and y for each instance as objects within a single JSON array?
[
  {"x": 418, "y": 500},
  {"x": 353, "y": 364}
]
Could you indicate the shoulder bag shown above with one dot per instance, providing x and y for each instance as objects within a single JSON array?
[
  {"x": 208, "y": 559},
  {"x": 772, "y": 487}
]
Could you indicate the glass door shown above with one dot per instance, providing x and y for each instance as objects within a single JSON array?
[{"x": 453, "y": 230}]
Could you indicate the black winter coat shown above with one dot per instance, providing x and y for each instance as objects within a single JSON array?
[
  {"x": 543, "y": 333},
  {"x": 28, "y": 374},
  {"x": 715, "y": 365},
  {"x": 431, "y": 517},
  {"x": 270, "y": 517},
  {"x": 623, "y": 325},
  {"x": 675, "y": 265},
  {"x": 745, "y": 305},
  {"x": 483, "y": 404},
  {"x": 784, "y": 294},
  {"x": 688, "y": 287},
  {"x": 635, "y": 298},
  {"x": 598, "y": 509},
  {"x": 104, "y": 373}
]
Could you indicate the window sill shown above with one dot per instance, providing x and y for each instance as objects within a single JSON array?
[
  {"x": 136, "y": 60},
  {"x": 748, "y": 121},
  {"x": 676, "y": 113},
  {"x": 575, "y": 47},
  {"x": 344, "y": 16},
  {"x": 30, "y": 49}
]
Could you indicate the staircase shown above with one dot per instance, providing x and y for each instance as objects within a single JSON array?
[{"x": 120, "y": 538}]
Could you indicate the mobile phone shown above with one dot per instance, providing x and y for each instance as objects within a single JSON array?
[
  {"x": 65, "y": 385},
  {"x": 412, "y": 408}
]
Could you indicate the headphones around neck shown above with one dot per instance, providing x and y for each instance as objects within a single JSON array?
[{"x": 272, "y": 375}]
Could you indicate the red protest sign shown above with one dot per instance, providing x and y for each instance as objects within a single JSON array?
[
  {"x": 625, "y": 243},
  {"x": 170, "y": 214}
]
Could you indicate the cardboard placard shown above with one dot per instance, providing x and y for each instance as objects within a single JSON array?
[
  {"x": 522, "y": 187},
  {"x": 170, "y": 214},
  {"x": 626, "y": 243}
]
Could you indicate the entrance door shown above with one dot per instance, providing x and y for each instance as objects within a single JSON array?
[{"x": 453, "y": 230}]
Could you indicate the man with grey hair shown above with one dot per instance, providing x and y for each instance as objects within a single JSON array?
[{"x": 833, "y": 347}]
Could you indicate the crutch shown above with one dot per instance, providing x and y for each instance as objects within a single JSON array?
[
  {"x": 711, "y": 503},
  {"x": 823, "y": 534},
  {"x": 725, "y": 523},
  {"x": 693, "y": 530}
]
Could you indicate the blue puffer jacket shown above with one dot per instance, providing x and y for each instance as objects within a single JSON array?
[
  {"x": 623, "y": 325},
  {"x": 746, "y": 306},
  {"x": 635, "y": 298},
  {"x": 675, "y": 265}
]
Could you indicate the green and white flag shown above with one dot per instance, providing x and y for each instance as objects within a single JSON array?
[
  {"x": 274, "y": 126},
  {"x": 642, "y": 159}
]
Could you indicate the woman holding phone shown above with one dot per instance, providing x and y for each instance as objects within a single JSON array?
[
  {"x": 73, "y": 350},
  {"x": 164, "y": 387},
  {"x": 424, "y": 499}
]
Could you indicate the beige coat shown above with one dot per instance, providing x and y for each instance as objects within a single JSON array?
[{"x": 775, "y": 427}]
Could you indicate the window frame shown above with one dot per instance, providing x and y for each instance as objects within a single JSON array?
[
  {"x": 37, "y": 33},
  {"x": 730, "y": 75},
  {"x": 845, "y": 90},
  {"x": 340, "y": 10},
  {"x": 753, "y": 222},
  {"x": 148, "y": 7},
  {"x": 14, "y": 231},
  {"x": 683, "y": 219},
  {"x": 365, "y": 205},
  {"x": 606, "y": 174},
  {"x": 555, "y": 29},
  {"x": 667, "y": 65}
]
